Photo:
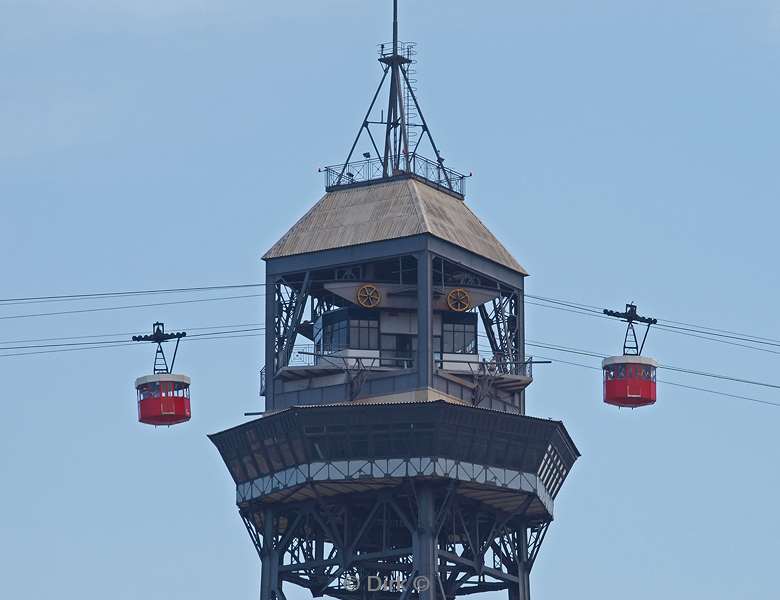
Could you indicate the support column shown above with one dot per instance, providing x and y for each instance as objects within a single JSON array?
[
  {"x": 520, "y": 309},
  {"x": 270, "y": 585},
  {"x": 270, "y": 335},
  {"x": 425, "y": 544},
  {"x": 424, "y": 319},
  {"x": 521, "y": 590}
]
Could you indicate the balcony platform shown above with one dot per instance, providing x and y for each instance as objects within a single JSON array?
[
  {"x": 505, "y": 382},
  {"x": 364, "y": 172},
  {"x": 297, "y": 372}
]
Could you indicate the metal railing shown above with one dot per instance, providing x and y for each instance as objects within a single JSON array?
[
  {"x": 405, "y": 49},
  {"x": 305, "y": 355},
  {"x": 487, "y": 365},
  {"x": 372, "y": 169}
]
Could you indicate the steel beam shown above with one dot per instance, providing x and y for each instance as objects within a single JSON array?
[
  {"x": 522, "y": 589},
  {"x": 425, "y": 555},
  {"x": 424, "y": 319},
  {"x": 270, "y": 584},
  {"x": 451, "y": 544}
]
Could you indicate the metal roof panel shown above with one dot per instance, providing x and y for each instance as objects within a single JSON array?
[{"x": 386, "y": 210}]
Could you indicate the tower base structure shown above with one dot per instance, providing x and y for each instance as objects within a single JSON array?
[{"x": 429, "y": 500}]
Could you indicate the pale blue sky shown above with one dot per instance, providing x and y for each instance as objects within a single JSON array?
[{"x": 621, "y": 150}]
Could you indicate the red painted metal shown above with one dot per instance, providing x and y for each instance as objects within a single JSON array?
[
  {"x": 629, "y": 384},
  {"x": 164, "y": 403}
]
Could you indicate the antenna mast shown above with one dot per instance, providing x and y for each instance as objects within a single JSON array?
[
  {"x": 397, "y": 157},
  {"x": 396, "y": 134}
]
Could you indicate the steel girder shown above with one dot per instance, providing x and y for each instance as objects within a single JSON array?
[
  {"x": 381, "y": 544},
  {"x": 501, "y": 323},
  {"x": 290, "y": 303}
]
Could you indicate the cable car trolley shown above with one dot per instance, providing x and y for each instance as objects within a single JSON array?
[
  {"x": 164, "y": 396},
  {"x": 629, "y": 380}
]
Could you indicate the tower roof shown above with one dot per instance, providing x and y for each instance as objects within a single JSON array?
[{"x": 387, "y": 210}]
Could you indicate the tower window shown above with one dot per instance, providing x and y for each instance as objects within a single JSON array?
[
  {"x": 347, "y": 328},
  {"x": 459, "y": 338},
  {"x": 334, "y": 336},
  {"x": 364, "y": 334}
]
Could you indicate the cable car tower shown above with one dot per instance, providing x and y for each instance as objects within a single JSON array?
[
  {"x": 629, "y": 380},
  {"x": 394, "y": 458},
  {"x": 164, "y": 396}
]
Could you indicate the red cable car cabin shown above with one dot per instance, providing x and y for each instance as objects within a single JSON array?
[
  {"x": 629, "y": 381},
  {"x": 163, "y": 399}
]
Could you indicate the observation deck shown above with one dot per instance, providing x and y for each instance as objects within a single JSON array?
[
  {"x": 413, "y": 165},
  {"x": 467, "y": 369}
]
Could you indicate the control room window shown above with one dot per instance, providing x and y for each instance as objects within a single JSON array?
[
  {"x": 364, "y": 334},
  {"x": 398, "y": 350},
  {"x": 334, "y": 336},
  {"x": 459, "y": 338}
]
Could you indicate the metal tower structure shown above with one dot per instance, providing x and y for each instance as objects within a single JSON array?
[
  {"x": 403, "y": 128},
  {"x": 394, "y": 458}
]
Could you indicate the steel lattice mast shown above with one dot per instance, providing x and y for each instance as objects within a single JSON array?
[{"x": 397, "y": 155}]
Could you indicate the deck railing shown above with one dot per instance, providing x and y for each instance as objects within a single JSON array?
[
  {"x": 488, "y": 365},
  {"x": 305, "y": 355},
  {"x": 371, "y": 169}
]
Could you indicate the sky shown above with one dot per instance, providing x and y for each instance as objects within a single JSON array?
[{"x": 621, "y": 151}]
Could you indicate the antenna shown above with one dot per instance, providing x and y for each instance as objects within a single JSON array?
[
  {"x": 396, "y": 115},
  {"x": 397, "y": 155}
]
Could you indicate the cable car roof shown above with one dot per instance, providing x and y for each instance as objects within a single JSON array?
[
  {"x": 628, "y": 359},
  {"x": 158, "y": 377}
]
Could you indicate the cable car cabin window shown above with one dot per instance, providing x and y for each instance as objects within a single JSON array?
[
  {"x": 149, "y": 391},
  {"x": 644, "y": 372}
]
